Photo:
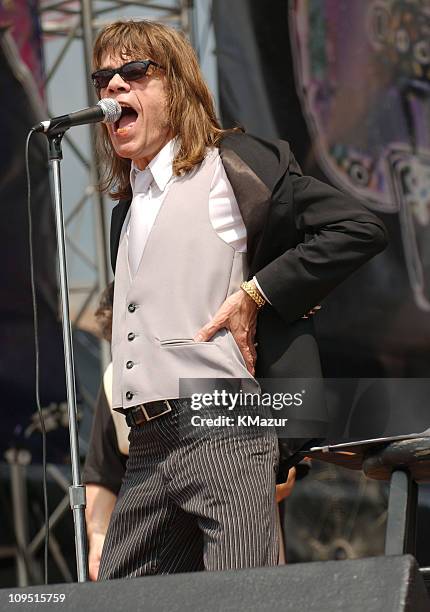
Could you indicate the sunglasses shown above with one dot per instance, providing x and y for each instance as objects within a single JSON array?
[{"x": 131, "y": 71}]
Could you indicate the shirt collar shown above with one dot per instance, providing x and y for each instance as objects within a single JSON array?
[{"x": 161, "y": 166}]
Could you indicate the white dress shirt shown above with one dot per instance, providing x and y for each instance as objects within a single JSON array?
[{"x": 150, "y": 187}]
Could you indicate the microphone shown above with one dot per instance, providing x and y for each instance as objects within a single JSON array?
[{"x": 107, "y": 110}]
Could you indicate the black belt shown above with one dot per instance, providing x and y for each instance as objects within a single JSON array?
[{"x": 138, "y": 415}]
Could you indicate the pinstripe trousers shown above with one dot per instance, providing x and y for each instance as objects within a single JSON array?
[{"x": 191, "y": 502}]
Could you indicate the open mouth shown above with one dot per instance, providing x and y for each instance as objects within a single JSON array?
[{"x": 126, "y": 121}]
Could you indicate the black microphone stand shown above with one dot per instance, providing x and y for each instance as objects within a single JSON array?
[{"x": 77, "y": 489}]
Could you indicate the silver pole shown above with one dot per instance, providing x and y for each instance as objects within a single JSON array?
[
  {"x": 18, "y": 460},
  {"x": 76, "y": 490},
  {"x": 100, "y": 219}
]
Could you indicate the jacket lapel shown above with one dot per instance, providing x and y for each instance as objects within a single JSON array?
[
  {"x": 119, "y": 214},
  {"x": 252, "y": 195}
]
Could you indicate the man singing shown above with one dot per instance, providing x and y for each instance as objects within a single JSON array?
[{"x": 215, "y": 232}]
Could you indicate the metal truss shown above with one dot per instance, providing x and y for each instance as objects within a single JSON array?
[{"x": 79, "y": 21}]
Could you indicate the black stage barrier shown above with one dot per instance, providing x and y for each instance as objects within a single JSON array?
[{"x": 378, "y": 584}]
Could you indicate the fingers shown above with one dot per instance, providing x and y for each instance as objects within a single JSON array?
[
  {"x": 93, "y": 568},
  {"x": 220, "y": 320},
  {"x": 248, "y": 351},
  {"x": 238, "y": 314},
  {"x": 205, "y": 333},
  {"x": 249, "y": 360},
  {"x": 245, "y": 343},
  {"x": 96, "y": 542},
  {"x": 253, "y": 353},
  {"x": 93, "y": 572},
  {"x": 285, "y": 489},
  {"x": 250, "y": 341},
  {"x": 251, "y": 344}
]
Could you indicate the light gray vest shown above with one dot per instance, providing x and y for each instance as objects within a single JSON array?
[{"x": 185, "y": 274}]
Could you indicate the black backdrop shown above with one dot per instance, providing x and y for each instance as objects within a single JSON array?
[{"x": 371, "y": 325}]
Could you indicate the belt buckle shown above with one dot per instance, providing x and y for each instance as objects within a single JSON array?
[{"x": 168, "y": 409}]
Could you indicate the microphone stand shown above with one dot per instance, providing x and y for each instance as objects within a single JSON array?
[{"x": 77, "y": 489}]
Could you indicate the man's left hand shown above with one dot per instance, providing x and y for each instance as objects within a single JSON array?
[{"x": 239, "y": 315}]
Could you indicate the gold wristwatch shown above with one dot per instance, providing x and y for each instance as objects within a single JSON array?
[{"x": 250, "y": 288}]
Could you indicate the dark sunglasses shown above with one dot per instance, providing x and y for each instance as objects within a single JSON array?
[{"x": 131, "y": 71}]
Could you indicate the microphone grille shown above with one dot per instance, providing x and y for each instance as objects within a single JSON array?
[{"x": 111, "y": 109}]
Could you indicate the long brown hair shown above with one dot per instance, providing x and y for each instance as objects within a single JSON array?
[{"x": 191, "y": 109}]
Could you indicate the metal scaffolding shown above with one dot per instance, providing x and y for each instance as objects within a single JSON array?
[{"x": 79, "y": 21}]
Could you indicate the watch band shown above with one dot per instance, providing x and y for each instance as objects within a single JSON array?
[{"x": 250, "y": 288}]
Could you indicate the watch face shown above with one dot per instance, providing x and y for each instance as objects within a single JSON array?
[{"x": 363, "y": 74}]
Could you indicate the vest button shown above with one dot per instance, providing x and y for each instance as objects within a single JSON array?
[
  {"x": 131, "y": 307},
  {"x": 131, "y": 336},
  {"x": 129, "y": 395},
  {"x": 129, "y": 365}
]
